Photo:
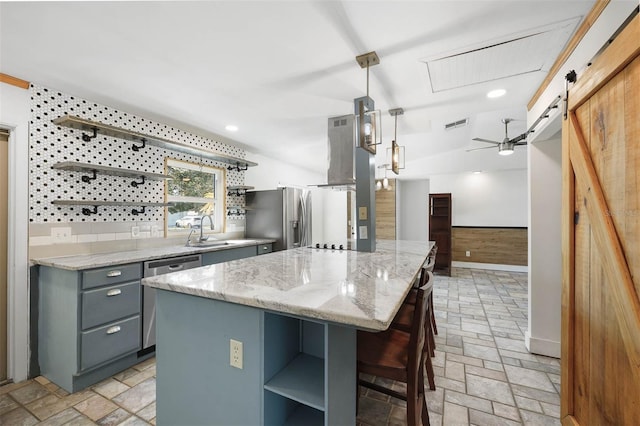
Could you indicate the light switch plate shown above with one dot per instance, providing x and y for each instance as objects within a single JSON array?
[
  {"x": 135, "y": 231},
  {"x": 362, "y": 213}
]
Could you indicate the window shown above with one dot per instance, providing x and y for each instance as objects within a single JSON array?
[{"x": 197, "y": 193}]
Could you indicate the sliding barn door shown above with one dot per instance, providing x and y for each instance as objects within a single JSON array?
[{"x": 601, "y": 240}]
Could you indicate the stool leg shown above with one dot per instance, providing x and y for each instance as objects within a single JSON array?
[{"x": 424, "y": 414}]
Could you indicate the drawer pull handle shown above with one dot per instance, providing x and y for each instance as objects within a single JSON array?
[
  {"x": 113, "y": 329},
  {"x": 115, "y": 273},
  {"x": 114, "y": 292}
]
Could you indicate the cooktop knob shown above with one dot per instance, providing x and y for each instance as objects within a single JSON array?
[
  {"x": 325, "y": 246},
  {"x": 341, "y": 247},
  {"x": 333, "y": 246},
  {"x": 317, "y": 245}
]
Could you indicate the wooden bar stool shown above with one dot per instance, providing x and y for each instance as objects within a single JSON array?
[
  {"x": 403, "y": 321},
  {"x": 397, "y": 355},
  {"x": 431, "y": 263}
]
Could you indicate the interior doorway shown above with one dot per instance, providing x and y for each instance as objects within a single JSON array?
[{"x": 4, "y": 210}]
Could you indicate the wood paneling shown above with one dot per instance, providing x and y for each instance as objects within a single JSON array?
[
  {"x": 386, "y": 212},
  {"x": 502, "y": 246},
  {"x": 593, "y": 15},
  {"x": 14, "y": 81},
  {"x": 601, "y": 248}
]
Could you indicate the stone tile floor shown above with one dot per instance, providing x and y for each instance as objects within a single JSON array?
[{"x": 484, "y": 374}]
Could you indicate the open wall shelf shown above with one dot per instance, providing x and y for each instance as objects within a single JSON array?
[
  {"x": 238, "y": 190},
  {"x": 75, "y": 166},
  {"x": 95, "y": 204},
  {"x": 141, "y": 140}
]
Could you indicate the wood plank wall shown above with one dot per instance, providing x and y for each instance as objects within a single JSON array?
[
  {"x": 503, "y": 246},
  {"x": 386, "y": 212}
]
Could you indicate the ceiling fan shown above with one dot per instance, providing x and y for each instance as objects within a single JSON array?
[{"x": 506, "y": 146}]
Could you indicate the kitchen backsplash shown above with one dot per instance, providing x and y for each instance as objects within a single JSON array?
[{"x": 50, "y": 144}]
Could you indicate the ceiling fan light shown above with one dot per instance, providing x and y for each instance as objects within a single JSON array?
[{"x": 505, "y": 149}]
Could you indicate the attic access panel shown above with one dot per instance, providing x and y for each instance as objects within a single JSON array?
[{"x": 532, "y": 51}]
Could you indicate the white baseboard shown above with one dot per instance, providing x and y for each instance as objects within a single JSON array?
[
  {"x": 492, "y": 266},
  {"x": 542, "y": 346}
]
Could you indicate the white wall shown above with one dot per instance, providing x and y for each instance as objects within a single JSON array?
[
  {"x": 487, "y": 199},
  {"x": 14, "y": 115},
  {"x": 412, "y": 209},
  {"x": 270, "y": 174},
  {"x": 545, "y": 257}
]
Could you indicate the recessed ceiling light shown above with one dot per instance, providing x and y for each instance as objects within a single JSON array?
[
  {"x": 477, "y": 172},
  {"x": 231, "y": 127},
  {"x": 496, "y": 93}
]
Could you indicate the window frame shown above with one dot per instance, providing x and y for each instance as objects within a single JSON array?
[{"x": 219, "y": 201}]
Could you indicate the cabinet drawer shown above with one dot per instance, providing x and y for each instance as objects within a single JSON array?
[
  {"x": 111, "y": 275},
  {"x": 265, "y": 248},
  {"x": 108, "y": 304},
  {"x": 110, "y": 341}
]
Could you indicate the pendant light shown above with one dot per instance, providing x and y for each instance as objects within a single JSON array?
[
  {"x": 367, "y": 118},
  {"x": 384, "y": 182},
  {"x": 395, "y": 154}
]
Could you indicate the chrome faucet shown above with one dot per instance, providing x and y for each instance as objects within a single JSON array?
[
  {"x": 189, "y": 237},
  {"x": 202, "y": 237}
]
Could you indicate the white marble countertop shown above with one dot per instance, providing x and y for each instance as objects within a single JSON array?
[
  {"x": 353, "y": 288},
  {"x": 87, "y": 261}
]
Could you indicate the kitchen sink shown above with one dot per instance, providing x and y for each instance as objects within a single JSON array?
[{"x": 214, "y": 243}]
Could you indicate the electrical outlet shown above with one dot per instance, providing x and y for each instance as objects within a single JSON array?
[
  {"x": 61, "y": 235},
  {"x": 468, "y": 253},
  {"x": 235, "y": 353},
  {"x": 135, "y": 231}
]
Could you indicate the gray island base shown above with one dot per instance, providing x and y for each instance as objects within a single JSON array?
[{"x": 296, "y": 313}]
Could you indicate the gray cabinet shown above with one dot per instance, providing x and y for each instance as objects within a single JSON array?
[
  {"x": 219, "y": 256},
  {"x": 89, "y": 323}
]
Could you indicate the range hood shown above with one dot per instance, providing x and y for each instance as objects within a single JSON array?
[{"x": 341, "y": 171}]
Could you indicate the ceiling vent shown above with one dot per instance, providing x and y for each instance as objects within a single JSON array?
[
  {"x": 456, "y": 124},
  {"x": 531, "y": 51}
]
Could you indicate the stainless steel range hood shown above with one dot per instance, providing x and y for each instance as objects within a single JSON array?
[{"x": 341, "y": 171}]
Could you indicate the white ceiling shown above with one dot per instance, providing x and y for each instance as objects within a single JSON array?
[{"x": 279, "y": 69}]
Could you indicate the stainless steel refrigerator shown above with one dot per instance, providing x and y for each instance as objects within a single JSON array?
[{"x": 283, "y": 214}]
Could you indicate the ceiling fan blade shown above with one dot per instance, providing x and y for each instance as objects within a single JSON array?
[
  {"x": 484, "y": 147},
  {"x": 486, "y": 140},
  {"x": 521, "y": 143},
  {"x": 520, "y": 139}
]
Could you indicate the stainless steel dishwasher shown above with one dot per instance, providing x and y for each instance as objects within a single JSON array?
[{"x": 151, "y": 269}]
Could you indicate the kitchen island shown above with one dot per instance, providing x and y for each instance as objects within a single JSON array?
[{"x": 295, "y": 314}]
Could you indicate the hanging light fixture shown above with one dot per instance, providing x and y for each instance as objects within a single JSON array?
[
  {"x": 395, "y": 154},
  {"x": 505, "y": 148},
  {"x": 384, "y": 182},
  {"x": 367, "y": 118}
]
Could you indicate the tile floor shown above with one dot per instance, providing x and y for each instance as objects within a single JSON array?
[{"x": 484, "y": 374}]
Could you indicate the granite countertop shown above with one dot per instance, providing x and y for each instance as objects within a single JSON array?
[
  {"x": 352, "y": 288},
  {"x": 87, "y": 261}
]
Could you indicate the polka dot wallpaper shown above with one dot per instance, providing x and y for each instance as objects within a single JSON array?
[{"x": 50, "y": 144}]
